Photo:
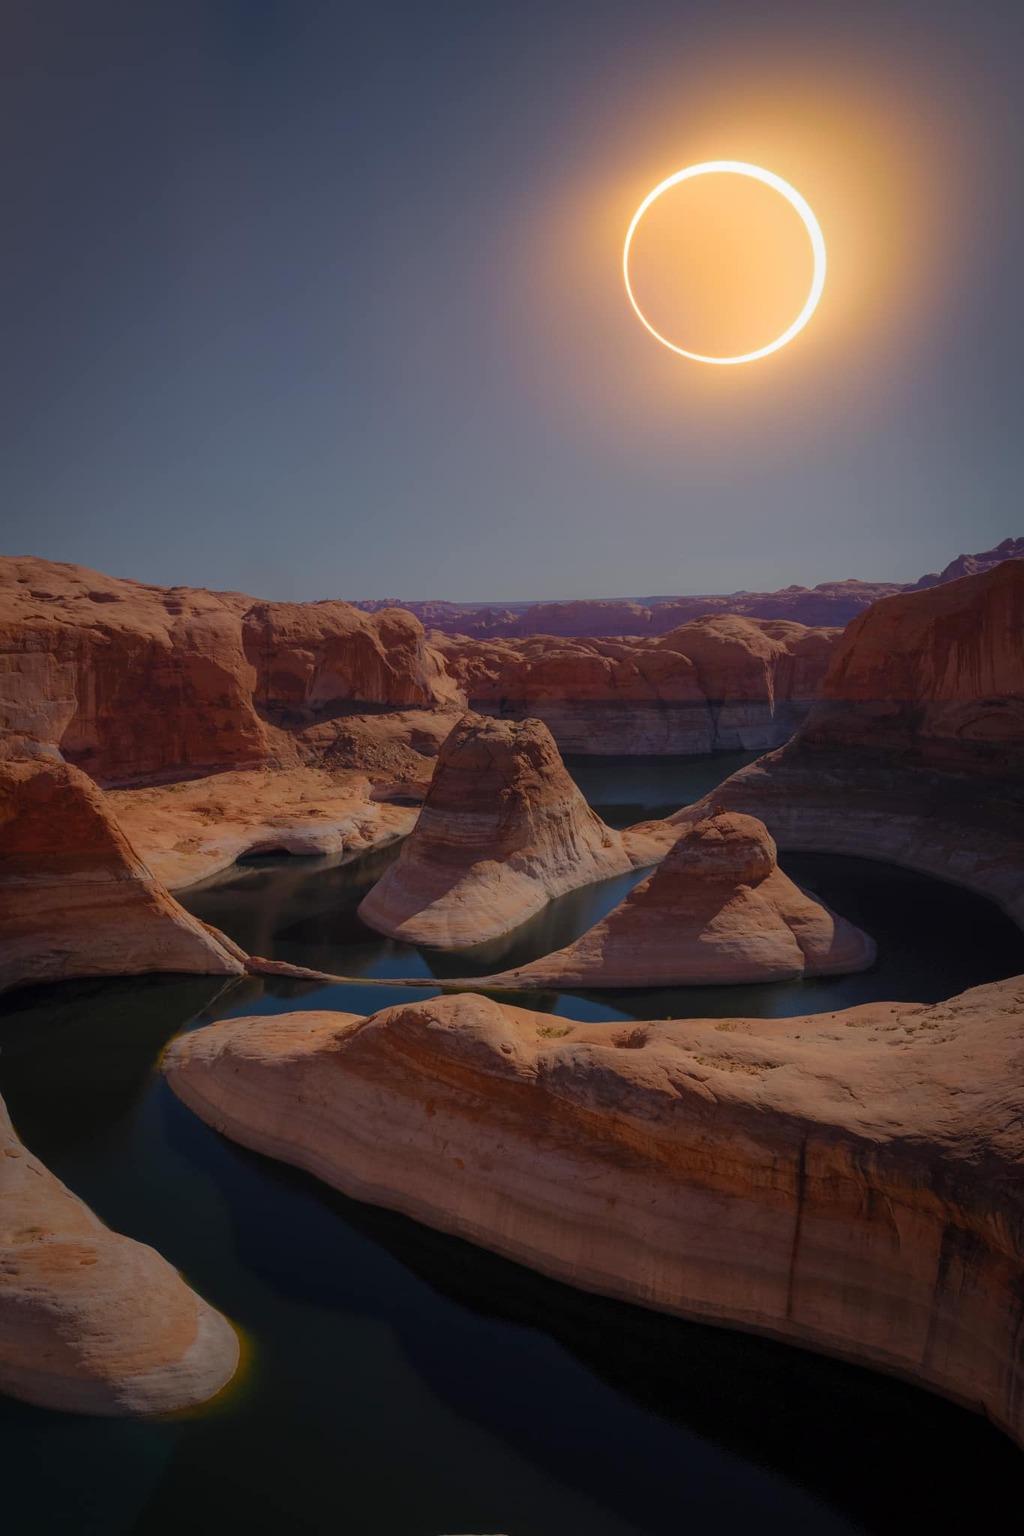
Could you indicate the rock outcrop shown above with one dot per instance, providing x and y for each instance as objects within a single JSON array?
[
  {"x": 189, "y": 831},
  {"x": 849, "y": 1182},
  {"x": 75, "y": 898},
  {"x": 715, "y": 684},
  {"x": 915, "y": 753},
  {"x": 718, "y": 910},
  {"x": 137, "y": 683},
  {"x": 90, "y": 1321},
  {"x": 503, "y": 829}
]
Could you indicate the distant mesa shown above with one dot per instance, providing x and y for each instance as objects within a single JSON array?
[
  {"x": 830, "y": 604},
  {"x": 502, "y": 831},
  {"x": 90, "y": 1321},
  {"x": 718, "y": 910}
]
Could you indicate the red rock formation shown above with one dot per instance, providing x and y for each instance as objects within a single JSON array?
[
  {"x": 90, "y": 1321},
  {"x": 187, "y": 832},
  {"x": 134, "y": 682},
  {"x": 503, "y": 830},
  {"x": 717, "y": 910},
  {"x": 851, "y": 1182},
  {"x": 75, "y": 898},
  {"x": 715, "y": 684},
  {"x": 915, "y": 754}
]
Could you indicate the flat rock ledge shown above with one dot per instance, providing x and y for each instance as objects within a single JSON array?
[
  {"x": 852, "y": 1183},
  {"x": 91, "y": 1321}
]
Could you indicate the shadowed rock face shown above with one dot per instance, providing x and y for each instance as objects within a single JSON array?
[
  {"x": 503, "y": 830},
  {"x": 850, "y": 1182},
  {"x": 717, "y": 910},
  {"x": 915, "y": 754},
  {"x": 75, "y": 898},
  {"x": 715, "y": 684},
  {"x": 134, "y": 682},
  {"x": 90, "y": 1321}
]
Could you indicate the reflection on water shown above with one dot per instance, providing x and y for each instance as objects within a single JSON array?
[{"x": 405, "y": 1384}]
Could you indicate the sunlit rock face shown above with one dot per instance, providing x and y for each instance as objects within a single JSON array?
[
  {"x": 717, "y": 910},
  {"x": 850, "y": 1182},
  {"x": 915, "y": 754},
  {"x": 715, "y": 684},
  {"x": 75, "y": 898},
  {"x": 90, "y": 1321},
  {"x": 136, "y": 683},
  {"x": 503, "y": 829}
]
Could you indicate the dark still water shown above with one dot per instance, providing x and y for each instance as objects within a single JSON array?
[{"x": 402, "y": 1383}]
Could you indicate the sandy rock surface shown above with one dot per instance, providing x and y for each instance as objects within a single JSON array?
[
  {"x": 189, "y": 831},
  {"x": 90, "y": 1321},
  {"x": 503, "y": 830},
  {"x": 76, "y": 899},
  {"x": 717, "y": 910},
  {"x": 850, "y": 1182}
]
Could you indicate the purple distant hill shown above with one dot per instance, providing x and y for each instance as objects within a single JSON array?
[{"x": 832, "y": 603}]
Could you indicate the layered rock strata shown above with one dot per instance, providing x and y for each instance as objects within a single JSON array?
[
  {"x": 91, "y": 1321},
  {"x": 189, "y": 831},
  {"x": 136, "y": 683},
  {"x": 716, "y": 684},
  {"x": 849, "y": 1182},
  {"x": 717, "y": 910},
  {"x": 503, "y": 829},
  {"x": 75, "y": 897},
  {"x": 915, "y": 754}
]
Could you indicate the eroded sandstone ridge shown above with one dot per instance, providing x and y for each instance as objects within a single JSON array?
[
  {"x": 503, "y": 829},
  {"x": 91, "y": 1321},
  {"x": 915, "y": 752},
  {"x": 717, "y": 910},
  {"x": 135, "y": 683},
  {"x": 850, "y": 1182},
  {"x": 75, "y": 898},
  {"x": 715, "y": 684}
]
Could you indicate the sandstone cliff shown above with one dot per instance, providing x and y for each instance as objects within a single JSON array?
[
  {"x": 75, "y": 898},
  {"x": 715, "y": 684},
  {"x": 718, "y": 910},
  {"x": 915, "y": 753},
  {"x": 849, "y": 1182},
  {"x": 90, "y": 1321},
  {"x": 503, "y": 829},
  {"x": 135, "y": 682}
]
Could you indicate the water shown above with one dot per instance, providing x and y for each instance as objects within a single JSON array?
[{"x": 401, "y": 1383}]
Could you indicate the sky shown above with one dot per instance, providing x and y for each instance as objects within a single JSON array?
[{"x": 313, "y": 299}]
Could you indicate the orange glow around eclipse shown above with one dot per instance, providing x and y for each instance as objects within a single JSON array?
[{"x": 702, "y": 251}]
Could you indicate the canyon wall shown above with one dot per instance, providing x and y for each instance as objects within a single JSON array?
[
  {"x": 134, "y": 682},
  {"x": 715, "y": 684},
  {"x": 915, "y": 753},
  {"x": 76, "y": 899}
]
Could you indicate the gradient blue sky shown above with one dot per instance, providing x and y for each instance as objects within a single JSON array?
[{"x": 318, "y": 299}]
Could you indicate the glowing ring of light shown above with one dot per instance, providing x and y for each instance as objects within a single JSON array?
[{"x": 792, "y": 196}]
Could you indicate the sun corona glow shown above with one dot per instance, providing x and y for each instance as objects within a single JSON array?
[{"x": 792, "y": 196}]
